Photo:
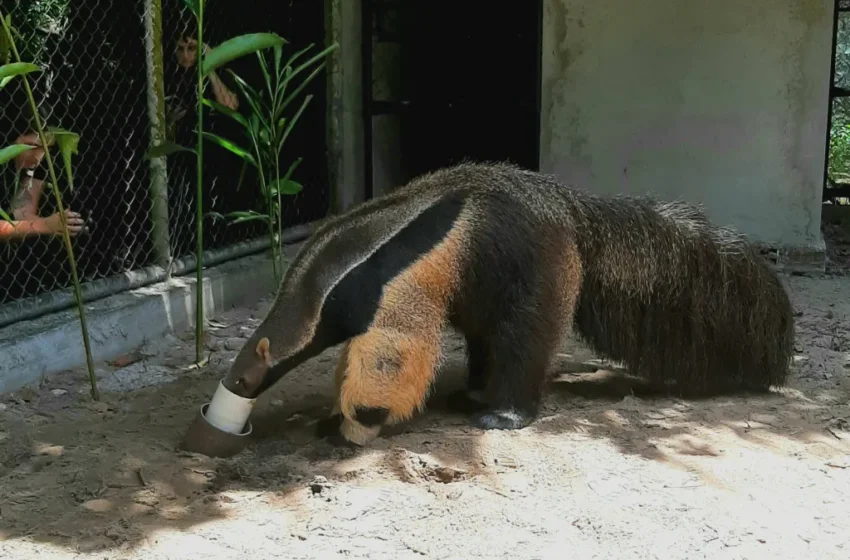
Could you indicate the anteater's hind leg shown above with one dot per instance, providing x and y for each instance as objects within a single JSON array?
[
  {"x": 521, "y": 348},
  {"x": 383, "y": 377},
  {"x": 533, "y": 319}
]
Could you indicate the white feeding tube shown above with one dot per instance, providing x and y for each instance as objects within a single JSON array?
[{"x": 229, "y": 412}]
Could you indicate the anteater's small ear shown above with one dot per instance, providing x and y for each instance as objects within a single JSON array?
[{"x": 263, "y": 349}]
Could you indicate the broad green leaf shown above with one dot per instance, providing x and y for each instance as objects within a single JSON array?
[
  {"x": 9, "y": 153},
  {"x": 68, "y": 143},
  {"x": 285, "y": 186},
  {"x": 5, "y": 81},
  {"x": 166, "y": 148},
  {"x": 226, "y": 111},
  {"x": 17, "y": 69},
  {"x": 238, "y": 47},
  {"x": 231, "y": 147}
]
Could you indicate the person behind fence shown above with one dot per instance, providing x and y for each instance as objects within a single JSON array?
[
  {"x": 221, "y": 168},
  {"x": 28, "y": 181}
]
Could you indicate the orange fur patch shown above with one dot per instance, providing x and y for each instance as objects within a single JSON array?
[{"x": 392, "y": 365}]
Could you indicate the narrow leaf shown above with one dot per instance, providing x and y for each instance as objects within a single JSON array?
[
  {"x": 300, "y": 88},
  {"x": 238, "y": 47},
  {"x": 293, "y": 120},
  {"x": 262, "y": 217},
  {"x": 231, "y": 147},
  {"x": 278, "y": 54},
  {"x": 9, "y": 153},
  {"x": 246, "y": 216},
  {"x": 292, "y": 167},
  {"x": 68, "y": 143},
  {"x": 17, "y": 69},
  {"x": 166, "y": 148},
  {"x": 251, "y": 96},
  {"x": 224, "y": 110},
  {"x": 5, "y": 216},
  {"x": 316, "y": 58},
  {"x": 265, "y": 69}
]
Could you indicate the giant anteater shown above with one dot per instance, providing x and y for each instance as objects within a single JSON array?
[{"x": 515, "y": 261}]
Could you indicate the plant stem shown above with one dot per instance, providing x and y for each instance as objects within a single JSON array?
[
  {"x": 278, "y": 213},
  {"x": 78, "y": 292},
  {"x": 199, "y": 210},
  {"x": 267, "y": 193}
]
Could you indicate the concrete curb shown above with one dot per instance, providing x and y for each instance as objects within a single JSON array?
[{"x": 118, "y": 324}]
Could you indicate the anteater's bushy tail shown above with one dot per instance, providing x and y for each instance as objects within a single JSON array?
[{"x": 682, "y": 303}]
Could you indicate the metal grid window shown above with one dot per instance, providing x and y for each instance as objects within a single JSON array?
[
  {"x": 838, "y": 168},
  {"x": 95, "y": 82}
]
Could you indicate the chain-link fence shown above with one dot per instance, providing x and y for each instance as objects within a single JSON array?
[{"x": 95, "y": 82}]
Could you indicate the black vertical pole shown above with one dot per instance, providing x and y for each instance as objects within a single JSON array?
[{"x": 366, "y": 56}]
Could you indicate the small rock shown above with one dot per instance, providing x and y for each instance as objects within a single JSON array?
[
  {"x": 99, "y": 406},
  {"x": 319, "y": 484},
  {"x": 98, "y": 506},
  {"x": 234, "y": 343},
  {"x": 829, "y": 315},
  {"x": 58, "y": 392},
  {"x": 4, "y": 407},
  {"x": 124, "y": 361}
]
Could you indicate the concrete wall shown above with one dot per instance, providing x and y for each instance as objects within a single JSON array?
[
  {"x": 722, "y": 103},
  {"x": 121, "y": 323}
]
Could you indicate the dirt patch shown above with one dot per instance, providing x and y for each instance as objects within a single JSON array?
[{"x": 606, "y": 471}]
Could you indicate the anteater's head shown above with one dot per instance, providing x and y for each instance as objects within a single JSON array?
[
  {"x": 280, "y": 344},
  {"x": 250, "y": 369}
]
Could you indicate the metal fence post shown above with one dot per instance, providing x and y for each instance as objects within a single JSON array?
[{"x": 156, "y": 117}]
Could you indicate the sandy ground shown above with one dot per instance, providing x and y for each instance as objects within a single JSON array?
[{"x": 601, "y": 474}]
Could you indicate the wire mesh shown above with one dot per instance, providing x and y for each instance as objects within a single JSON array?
[
  {"x": 228, "y": 186},
  {"x": 94, "y": 82}
]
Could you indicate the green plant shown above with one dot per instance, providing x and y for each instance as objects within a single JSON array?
[
  {"x": 67, "y": 142},
  {"x": 839, "y": 151},
  {"x": 266, "y": 130},
  {"x": 216, "y": 57}
]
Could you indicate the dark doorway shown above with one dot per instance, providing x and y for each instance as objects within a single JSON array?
[{"x": 469, "y": 77}]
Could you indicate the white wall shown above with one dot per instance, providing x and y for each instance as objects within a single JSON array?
[{"x": 719, "y": 102}]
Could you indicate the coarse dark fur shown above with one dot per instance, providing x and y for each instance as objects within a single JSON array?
[{"x": 515, "y": 261}]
